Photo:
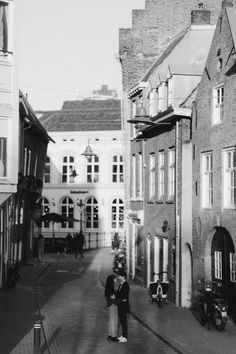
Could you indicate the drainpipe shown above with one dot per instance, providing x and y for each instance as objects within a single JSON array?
[{"x": 177, "y": 220}]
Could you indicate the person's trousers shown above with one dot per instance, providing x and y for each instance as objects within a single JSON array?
[
  {"x": 113, "y": 321},
  {"x": 123, "y": 322}
]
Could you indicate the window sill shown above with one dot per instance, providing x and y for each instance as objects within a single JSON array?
[
  {"x": 160, "y": 201},
  {"x": 151, "y": 201},
  {"x": 136, "y": 199},
  {"x": 170, "y": 201}
]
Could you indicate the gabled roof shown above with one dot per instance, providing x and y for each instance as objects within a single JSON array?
[
  {"x": 231, "y": 13},
  {"x": 185, "y": 55},
  {"x": 84, "y": 115},
  {"x": 28, "y": 113}
]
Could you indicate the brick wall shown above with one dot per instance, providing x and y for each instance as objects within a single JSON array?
[
  {"x": 213, "y": 138},
  {"x": 152, "y": 27}
]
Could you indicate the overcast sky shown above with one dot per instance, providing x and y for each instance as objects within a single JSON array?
[{"x": 67, "y": 48}]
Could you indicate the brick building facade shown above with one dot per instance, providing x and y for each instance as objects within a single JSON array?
[{"x": 214, "y": 223}]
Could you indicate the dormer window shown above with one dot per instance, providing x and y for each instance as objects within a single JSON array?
[
  {"x": 170, "y": 92},
  {"x": 153, "y": 97}
]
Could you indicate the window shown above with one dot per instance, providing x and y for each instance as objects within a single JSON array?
[
  {"x": 133, "y": 176},
  {"x": 207, "y": 180},
  {"x": 139, "y": 176},
  {"x": 232, "y": 262},
  {"x": 171, "y": 174},
  {"x": 3, "y": 26},
  {"x": 170, "y": 92},
  {"x": 3, "y": 157},
  {"x": 153, "y": 103},
  {"x": 91, "y": 216},
  {"x": 132, "y": 126},
  {"x": 151, "y": 176},
  {"x": 117, "y": 169},
  {"x": 67, "y": 169},
  {"x": 117, "y": 214},
  {"x": 67, "y": 210},
  {"x": 218, "y": 104},
  {"x": 229, "y": 178},
  {"x": 218, "y": 264},
  {"x": 47, "y": 170},
  {"x": 161, "y": 175},
  {"x": 45, "y": 210},
  {"x": 93, "y": 169}
]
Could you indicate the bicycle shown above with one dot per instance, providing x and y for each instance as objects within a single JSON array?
[{"x": 159, "y": 289}]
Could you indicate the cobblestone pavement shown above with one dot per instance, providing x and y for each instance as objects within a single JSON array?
[
  {"x": 75, "y": 317},
  {"x": 69, "y": 293}
]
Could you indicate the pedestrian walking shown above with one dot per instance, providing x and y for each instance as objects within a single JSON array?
[
  {"x": 123, "y": 305},
  {"x": 112, "y": 308},
  {"x": 41, "y": 245},
  {"x": 69, "y": 243}
]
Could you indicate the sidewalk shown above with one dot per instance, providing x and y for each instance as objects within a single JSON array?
[{"x": 176, "y": 326}]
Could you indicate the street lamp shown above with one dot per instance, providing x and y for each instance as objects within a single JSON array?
[
  {"x": 88, "y": 152},
  {"x": 80, "y": 204}
]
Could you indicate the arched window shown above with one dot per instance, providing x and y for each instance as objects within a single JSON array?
[
  {"x": 67, "y": 209},
  {"x": 67, "y": 169},
  {"x": 47, "y": 171},
  {"x": 117, "y": 214},
  {"x": 91, "y": 214},
  {"x": 117, "y": 169},
  {"x": 45, "y": 209}
]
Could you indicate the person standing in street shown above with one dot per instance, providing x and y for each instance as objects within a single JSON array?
[
  {"x": 81, "y": 244},
  {"x": 41, "y": 245},
  {"x": 123, "y": 305},
  {"x": 112, "y": 308}
]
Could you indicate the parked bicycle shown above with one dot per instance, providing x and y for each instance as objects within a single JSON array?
[
  {"x": 12, "y": 273},
  {"x": 158, "y": 289}
]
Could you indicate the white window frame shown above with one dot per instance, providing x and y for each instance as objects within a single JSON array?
[
  {"x": 93, "y": 169},
  {"x": 170, "y": 91},
  {"x": 139, "y": 174},
  {"x": 3, "y": 156},
  {"x": 133, "y": 176},
  {"x": 218, "y": 265},
  {"x": 232, "y": 262},
  {"x": 67, "y": 168},
  {"x": 161, "y": 175},
  {"x": 67, "y": 209},
  {"x": 133, "y": 131},
  {"x": 207, "y": 180},
  {"x": 171, "y": 174},
  {"x": 229, "y": 177},
  {"x": 117, "y": 169},
  {"x": 4, "y": 26},
  {"x": 117, "y": 214},
  {"x": 92, "y": 216},
  {"x": 217, "y": 104},
  {"x": 153, "y": 96},
  {"x": 152, "y": 176}
]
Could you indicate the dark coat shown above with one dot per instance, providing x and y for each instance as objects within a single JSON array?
[{"x": 122, "y": 297}]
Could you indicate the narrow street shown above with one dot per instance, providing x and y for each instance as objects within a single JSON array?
[{"x": 75, "y": 316}]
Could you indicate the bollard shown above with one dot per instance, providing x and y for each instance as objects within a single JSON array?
[{"x": 37, "y": 336}]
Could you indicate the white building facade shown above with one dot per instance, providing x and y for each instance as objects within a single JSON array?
[{"x": 88, "y": 188}]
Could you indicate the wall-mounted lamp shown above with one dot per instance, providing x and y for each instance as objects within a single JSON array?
[
  {"x": 141, "y": 119},
  {"x": 165, "y": 226},
  {"x": 80, "y": 203},
  {"x": 73, "y": 173},
  {"x": 88, "y": 152}
]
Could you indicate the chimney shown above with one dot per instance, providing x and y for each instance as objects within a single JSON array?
[
  {"x": 226, "y": 3},
  {"x": 201, "y": 16}
]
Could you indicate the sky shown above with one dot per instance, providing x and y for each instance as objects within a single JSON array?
[{"x": 67, "y": 49}]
